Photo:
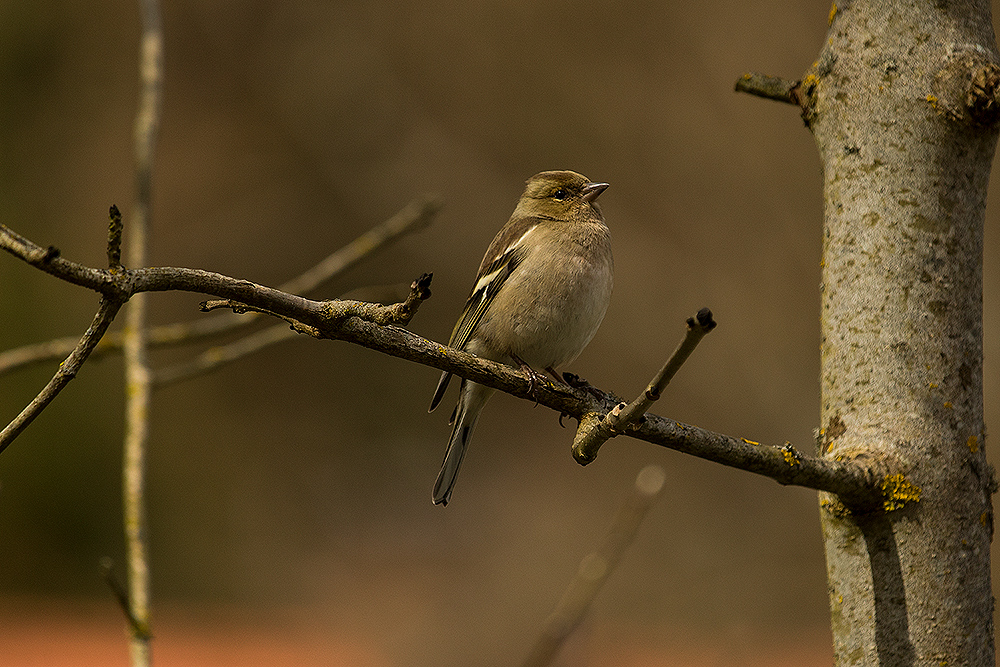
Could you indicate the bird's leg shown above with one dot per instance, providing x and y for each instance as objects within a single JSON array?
[{"x": 557, "y": 375}]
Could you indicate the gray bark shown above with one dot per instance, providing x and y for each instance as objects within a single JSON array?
[{"x": 901, "y": 104}]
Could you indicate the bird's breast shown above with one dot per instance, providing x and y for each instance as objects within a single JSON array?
[{"x": 553, "y": 303}]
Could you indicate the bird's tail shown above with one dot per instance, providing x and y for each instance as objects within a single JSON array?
[{"x": 471, "y": 401}]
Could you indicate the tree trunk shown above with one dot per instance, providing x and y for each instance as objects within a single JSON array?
[{"x": 901, "y": 106}]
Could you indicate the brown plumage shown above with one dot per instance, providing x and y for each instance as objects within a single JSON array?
[{"x": 540, "y": 295}]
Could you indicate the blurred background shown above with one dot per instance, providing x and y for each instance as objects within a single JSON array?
[{"x": 290, "y": 510}]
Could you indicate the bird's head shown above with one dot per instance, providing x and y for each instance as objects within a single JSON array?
[{"x": 561, "y": 195}]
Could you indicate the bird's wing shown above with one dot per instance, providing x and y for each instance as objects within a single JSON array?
[{"x": 504, "y": 255}]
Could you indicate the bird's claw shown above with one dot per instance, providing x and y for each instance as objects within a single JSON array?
[{"x": 535, "y": 379}]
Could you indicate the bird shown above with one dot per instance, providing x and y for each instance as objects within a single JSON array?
[{"x": 541, "y": 293}]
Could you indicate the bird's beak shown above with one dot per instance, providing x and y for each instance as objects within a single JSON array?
[{"x": 592, "y": 191}]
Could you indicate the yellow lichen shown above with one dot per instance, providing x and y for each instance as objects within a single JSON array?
[
  {"x": 833, "y": 12},
  {"x": 947, "y": 404},
  {"x": 897, "y": 491},
  {"x": 749, "y": 442},
  {"x": 973, "y": 443},
  {"x": 835, "y": 508},
  {"x": 792, "y": 457}
]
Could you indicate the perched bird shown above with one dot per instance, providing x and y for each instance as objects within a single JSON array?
[{"x": 540, "y": 295}]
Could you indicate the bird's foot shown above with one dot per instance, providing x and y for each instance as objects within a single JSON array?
[{"x": 535, "y": 379}]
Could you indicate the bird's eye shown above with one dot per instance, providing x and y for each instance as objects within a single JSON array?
[{"x": 560, "y": 194}]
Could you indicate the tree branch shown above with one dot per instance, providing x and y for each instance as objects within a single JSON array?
[
  {"x": 67, "y": 370},
  {"x": 768, "y": 87},
  {"x": 414, "y": 216},
  {"x": 855, "y": 482},
  {"x": 589, "y": 440},
  {"x": 219, "y": 355},
  {"x": 138, "y": 375},
  {"x": 121, "y": 595},
  {"x": 49, "y": 261},
  {"x": 376, "y": 327},
  {"x": 596, "y": 567}
]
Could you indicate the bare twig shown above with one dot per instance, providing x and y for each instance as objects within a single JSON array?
[
  {"x": 769, "y": 87},
  {"x": 589, "y": 440},
  {"x": 240, "y": 308},
  {"x": 326, "y": 314},
  {"x": 121, "y": 595},
  {"x": 138, "y": 377},
  {"x": 67, "y": 370},
  {"x": 596, "y": 567},
  {"x": 115, "y": 229},
  {"x": 414, "y": 216},
  {"x": 222, "y": 355},
  {"x": 49, "y": 261},
  {"x": 219, "y": 355},
  {"x": 854, "y": 481}
]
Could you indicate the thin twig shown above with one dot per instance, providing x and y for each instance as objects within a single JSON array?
[
  {"x": 68, "y": 369},
  {"x": 414, "y": 216},
  {"x": 115, "y": 229},
  {"x": 49, "y": 261},
  {"x": 589, "y": 440},
  {"x": 121, "y": 595},
  {"x": 596, "y": 567},
  {"x": 219, "y": 355},
  {"x": 138, "y": 376}
]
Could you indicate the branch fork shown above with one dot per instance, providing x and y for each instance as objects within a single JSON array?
[{"x": 595, "y": 430}]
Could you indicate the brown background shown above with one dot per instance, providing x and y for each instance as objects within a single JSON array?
[{"x": 290, "y": 493}]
